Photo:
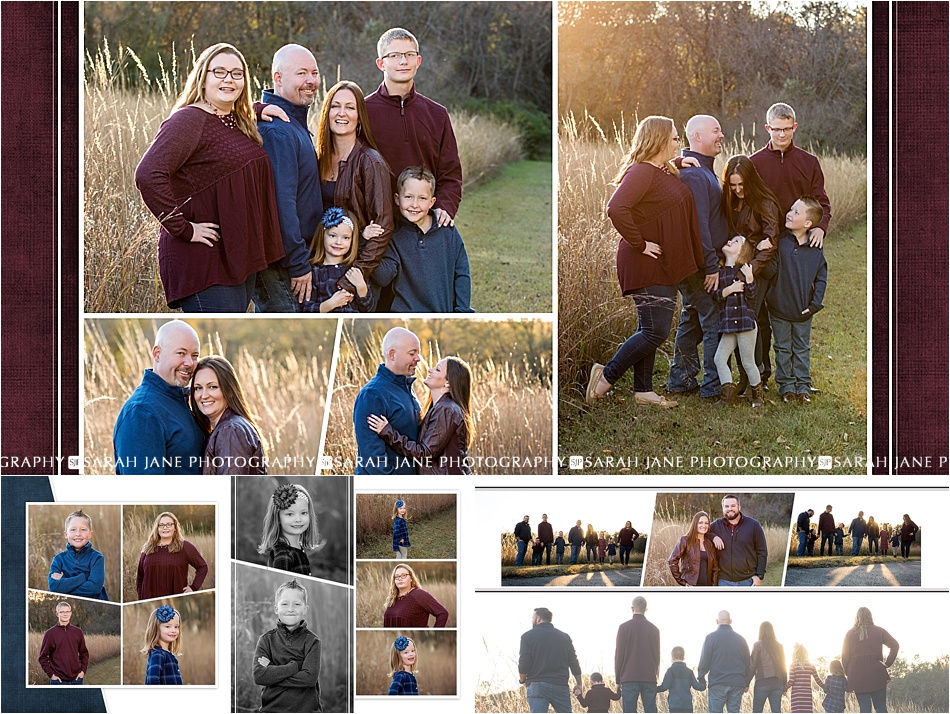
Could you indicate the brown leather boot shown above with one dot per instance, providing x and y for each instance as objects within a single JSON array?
[
  {"x": 727, "y": 395},
  {"x": 758, "y": 395}
]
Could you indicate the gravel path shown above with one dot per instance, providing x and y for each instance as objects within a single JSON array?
[
  {"x": 606, "y": 578},
  {"x": 898, "y": 573}
]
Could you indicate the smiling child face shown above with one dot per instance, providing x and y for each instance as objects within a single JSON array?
[
  {"x": 295, "y": 520},
  {"x": 408, "y": 657},
  {"x": 78, "y": 532},
  {"x": 168, "y": 631},
  {"x": 290, "y": 607}
]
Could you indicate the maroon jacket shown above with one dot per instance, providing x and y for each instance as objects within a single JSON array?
[
  {"x": 413, "y": 610},
  {"x": 791, "y": 175},
  {"x": 637, "y": 657},
  {"x": 863, "y": 660},
  {"x": 826, "y": 523},
  {"x": 415, "y": 131},
  {"x": 598, "y": 697},
  {"x": 63, "y": 652},
  {"x": 546, "y": 532}
]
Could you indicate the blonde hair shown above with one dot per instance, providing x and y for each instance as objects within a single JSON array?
[
  {"x": 151, "y": 635},
  {"x": 652, "y": 135},
  {"x": 799, "y": 654},
  {"x": 151, "y": 545},
  {"x": 393, "y": 590},
  {"x": 77, "y": 514},
  {"x": 862, "y": 621},
  {"x": 395, "y": 663}
]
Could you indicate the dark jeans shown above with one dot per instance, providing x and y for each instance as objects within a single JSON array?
[
  {"x": 542, "y": 694},
  {"x": 792, "y": 355},
  {"x": 654, "y": 319},
  {"x": 645, "y": 691},
  {"x": 221, "y": 298},
  {"x": 547, "y": 553},
  {"x": 856, "y": 542},
  {"x": 905, "y": 547},
  {"x": 872, "y": 544},
  {"x": 877, "y": 699},
  {"x": 559, "y": 557},
  {"x": 522, "y": 548},
  {"x": 830, "y": 537},
  {"x": 625, "y": 554},
  {"x": 536, "y": 558},
  {"x": 272, "y": 291},
  {"x": 591, "y": 553},
  {"x": 699, "y": 324},
  {"x": 575, "y": 552},
  {"x": 65, "y": 681},
  {"x": 769, "y": 689},
  {"x": 763, "y": 338}
]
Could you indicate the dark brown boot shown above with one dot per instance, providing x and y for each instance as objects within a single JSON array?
[
  {"x": 727, "y": 395},
  {"x": 758, "y": 395}
]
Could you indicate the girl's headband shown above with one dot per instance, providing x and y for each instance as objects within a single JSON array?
[
  {"x": 401, "y": 643},
  {"x": 333, "y": 217},
  {"x": 165, "y": 613},
  {"x": 400, "y": 504},
  {"x": 285, "y": 496}
]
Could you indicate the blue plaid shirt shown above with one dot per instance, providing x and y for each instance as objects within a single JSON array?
[
  {"x": 735, "y": 313},
  {"x": 836, "y": 687},
  {"x": 404, "y": 683},
  {"x": 162, "y": 667},
  {"x": 400, "y": 533},
  {"x": 325, "y": 278}
]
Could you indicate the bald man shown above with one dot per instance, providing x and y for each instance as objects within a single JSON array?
[
  {"x": 389, "y": 394},
  {"x": 725, "y": 658},
  {"x": 285, "y": 284},
  {"x": 155, "y": 432}
]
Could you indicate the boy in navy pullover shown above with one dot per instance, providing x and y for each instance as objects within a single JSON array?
[
  {"x": 80, "y": 569},
  {"x": 678, "y": 681},
  {"x": 796, "y": 295},
  {"x": 425, "y": 262}
]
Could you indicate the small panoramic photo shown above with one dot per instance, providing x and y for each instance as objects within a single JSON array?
[
  {"x": 718, "y": 539},
  {"x": 406, "y": 526},
  {"x": 302, "y": 524},
  {"x": 868, "y": 538},
  {"x": 204, "y": 396},
  {"x": 445, "y": 396},
  {"x": 73, "y": 641},
  {"x": 407, "y": 662}
]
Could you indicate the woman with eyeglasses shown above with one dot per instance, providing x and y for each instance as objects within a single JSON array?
[
  {"x": 164, "y": 561},
  {"x": 408, "y": 605},
  {"x": 208, "y": 181}
]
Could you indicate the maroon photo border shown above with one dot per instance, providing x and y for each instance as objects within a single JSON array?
[{"x": 40, "y": 307}]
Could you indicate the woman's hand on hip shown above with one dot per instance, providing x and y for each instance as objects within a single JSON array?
[
  {"x": 205, "y": 233},
  {"x": 187, "y": 589},
  {"x": 376, "y": 423},
  {"x": 652, "y": 249}
]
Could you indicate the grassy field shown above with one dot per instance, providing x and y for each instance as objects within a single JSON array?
[
  {"x": 372, "y": 587},
  {"x": 433, "y": 535},
  {"x": 506, "y": 226},
  {"x": 542, "y": 571},
  {"x": 436, "y": 652},
  {"x": 509, "y": 555},
  {"x": 594, "y": 319},
  {"x": 104, "y": 659}
]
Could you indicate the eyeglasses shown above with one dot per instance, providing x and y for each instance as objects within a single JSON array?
[
  {"x": 220, "y": 73},
  {"x": 401, "y": 576},
  {"x": 401, "y": 55},
  {"x": 165, "y": 526},
  {"x": 782, "y": 130}
]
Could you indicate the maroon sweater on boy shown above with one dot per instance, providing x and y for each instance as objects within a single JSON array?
[
  {"x": 598, "y": 698},
  {"x": 413, "y": 610},
  {"x": 63, "y": 652},
  {"x": 792, "y": 174}
]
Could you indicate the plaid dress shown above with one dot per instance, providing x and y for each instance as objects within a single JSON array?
[
  {"x": 836, "y": 687},
  {"x": 404, "y": 684},
  {"x": 400, "y": 533},
  {"x": 162, "y": 667}
]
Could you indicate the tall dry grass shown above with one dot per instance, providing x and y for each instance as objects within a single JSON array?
[
  {"x": 509, "y": 550},
  {"x": 437, "y": 652},
  {"x": 197, "y": 659},
  {"x": 284, "y": 388},
  {"x": 846, "y": 547},
  {"x": 374, "y": 511},
  {"x": 512, "y": 411},
  {"x": 593, "y": 317},
  {"x": 138, "y": 525},
  {"x": 120, "y": 236},
  {"x": 372, "y": 587},
  {"x": 46, "y": 523},
  {"x": 102, "y": 648}
]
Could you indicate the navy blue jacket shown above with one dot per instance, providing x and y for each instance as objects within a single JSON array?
[
  {"x": 155, "y": 432},
  {"x": 390, "y": 395},
  {"x": 678, "y": 681},
  {"x": 84, "y": 573},
  {"x": 725, "y": 657},
  {"x": 575, "y": 536},
  {"x": 746, "y": 552},
  {"x": 800, "y": 280},
  {"x": 713, "y": 226},
  {"x": 296, "y": 181},
  {"x": 522, "y": 531},
  {"x": 547, "y": 655}
]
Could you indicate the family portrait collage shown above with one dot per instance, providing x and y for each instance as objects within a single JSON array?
[{"x": 467, "y": 351}]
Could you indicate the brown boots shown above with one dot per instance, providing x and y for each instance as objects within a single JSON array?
[
  {"x": 758, "y": 395},
  {"x": 729, "y": 395}
]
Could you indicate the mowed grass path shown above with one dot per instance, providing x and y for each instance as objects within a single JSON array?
[
  {"x": 433, "y": 538},
  {"x": 834, "y": 424},
  {"x": 506, "y": 226}
]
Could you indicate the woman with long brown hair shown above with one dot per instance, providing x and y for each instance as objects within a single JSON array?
[
  {"x": 660, "y": 246},
  {"x": 769, "y": 670},
  {"x": 447, "y": 429},
  {"x": 695, "y": 560}
]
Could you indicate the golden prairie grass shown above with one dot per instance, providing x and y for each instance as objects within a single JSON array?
[
  {"x": 284, "y": 388},
  {"x": 120, "y": 236},
  {"x": 102, "y": 648},
  {"x": 512, "y": 411},
  {"x": 138, "y": 524},
  {"x": 846, "y": 549},
  {"x": 373, "y": 582},
  {"x": 437, "y": 661},
  {"x": 593, "y": 317},
  {"x": 374, "y": 511},
  {"x": 509, "y": 551},
  {"x": 46, "y": 523},
  {"x": 197, "y": 658}
]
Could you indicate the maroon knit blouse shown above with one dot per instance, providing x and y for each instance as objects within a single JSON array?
[
  {"x": 161, "y": 573},
  {"x": 200, "y": 170},
  {"x": 413, "y": 610},
  {"x": 653, "y": 205}
]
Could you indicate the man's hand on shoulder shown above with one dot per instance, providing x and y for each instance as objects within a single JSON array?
[{"x": 443, "y": 218}]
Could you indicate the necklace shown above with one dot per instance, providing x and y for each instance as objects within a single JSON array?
[{"x": 227, "y": 119}]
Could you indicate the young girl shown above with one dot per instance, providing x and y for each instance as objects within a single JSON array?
[
  {"x": 602, "y": 547},
  {"x": 162, "y": 643},
  {"x": 400, "y": 531},
  {"x": 800, "y": 675},
  {"x": 559, "y": 544},
  {"x": 895, "y": 541},
  {"x": 836, "y": 686},
  {"x": 611, "y": 550},
  {"x": 290, "y": 530},
  {"x": 333, "y": 251},
  {"x": 402, "y": 661},
  {"x": 537, "y": 550},
  {"x": 737, "y": 324}
]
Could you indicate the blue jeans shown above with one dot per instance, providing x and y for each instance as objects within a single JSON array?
[
  {"x": 272, "y": 291},
  {"x": 646, "y": 691},
  {"x": 720, "y": 695},
  {"x": 625, "y": 554},
  {"x": 768, "y": 689},
  {"x": 542, "y": 694},
  {"x": 522, "y": 547},
  {"x": 877, "y": 698},
  {"x": 547, "y": 553},
  {"x": 66, "y": 682},
  {"x": 654, "y": 319},
  {"x": 221, "y": 298},
  {"x": 536, "y": 558},
  {"x": 792, "y": 341},
  {"x": 856, "y": 542},
  {"x": 802, "y": 540},
  {"x": 839, "y": 548},
  {"x": 699, "y": 323},
  {"x": 872, "y": 545},
  {"x": 575, "y": 553},
  {"x": 905, "y": 547},
  {"x": 723, "y": 583},
  {"x": 830, "y": 537},
  {"x": 592, "y": 553},
  {"x": 559, "y": 557}
]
